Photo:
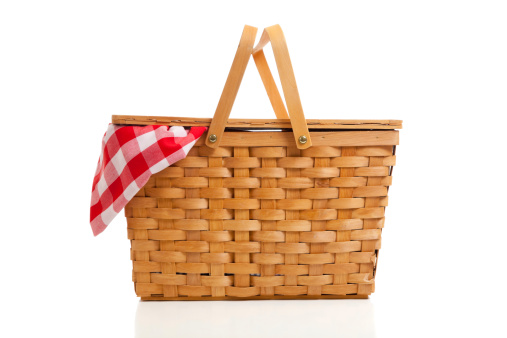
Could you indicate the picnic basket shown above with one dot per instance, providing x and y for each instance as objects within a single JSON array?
[{"x": 293, "y": 212}]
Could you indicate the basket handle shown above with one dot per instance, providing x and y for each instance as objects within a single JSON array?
[{"x": 287, "y": 78}]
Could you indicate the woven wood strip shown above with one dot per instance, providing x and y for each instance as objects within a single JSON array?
[{"x": 250, "y": 221}]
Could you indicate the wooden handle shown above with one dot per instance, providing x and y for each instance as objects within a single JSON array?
[
  {"x": 231, "y": 87},
  {"x": 287, "y": 78},
  {"x": 270, "y": 85},
  {"x": 245, "y": 48}
]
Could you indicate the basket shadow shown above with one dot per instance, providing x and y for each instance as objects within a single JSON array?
[{"x": 260, "y": 318}]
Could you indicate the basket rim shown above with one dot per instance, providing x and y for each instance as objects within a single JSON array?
[{"x": 257, "y": 123}]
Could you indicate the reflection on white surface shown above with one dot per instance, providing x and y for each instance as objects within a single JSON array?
[{"x": 256, "y": 318}]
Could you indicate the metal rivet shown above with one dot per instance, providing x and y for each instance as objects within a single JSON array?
[
  {"x": 302, "y": 139},
  {"x": 213, "y": 138}
]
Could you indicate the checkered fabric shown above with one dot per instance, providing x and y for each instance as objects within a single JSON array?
[{"x": 130, "y": 155}]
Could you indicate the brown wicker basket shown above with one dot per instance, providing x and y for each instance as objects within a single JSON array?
[{"x": 294, "y": 213}]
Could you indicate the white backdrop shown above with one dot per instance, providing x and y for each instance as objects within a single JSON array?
[{"x": 441, "y": 66}]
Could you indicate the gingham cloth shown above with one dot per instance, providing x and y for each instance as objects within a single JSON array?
[{"x": 130, "y": 155}]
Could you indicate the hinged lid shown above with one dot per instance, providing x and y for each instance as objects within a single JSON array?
[{"x": 257, "y": 123}]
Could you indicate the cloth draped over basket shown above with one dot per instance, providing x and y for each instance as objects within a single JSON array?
[{"x": 129, "y": 156}]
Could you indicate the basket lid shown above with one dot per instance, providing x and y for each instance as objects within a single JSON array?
[{"x": 257, "y": 123}]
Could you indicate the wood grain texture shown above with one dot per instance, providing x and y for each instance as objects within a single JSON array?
[
  {"x": 285, "y": 139},
  {"x": 256, "y": 123}
]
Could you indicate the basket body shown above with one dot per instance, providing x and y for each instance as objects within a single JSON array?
[{"x": 258, "y": 218}]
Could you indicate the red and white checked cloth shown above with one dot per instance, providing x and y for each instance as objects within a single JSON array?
[{"x": 130, "y": 155}]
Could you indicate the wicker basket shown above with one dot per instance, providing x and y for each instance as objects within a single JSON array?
[{"x": 294, "y": 213}]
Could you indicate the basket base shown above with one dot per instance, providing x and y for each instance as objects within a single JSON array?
[{"x": 259, "y": 297}]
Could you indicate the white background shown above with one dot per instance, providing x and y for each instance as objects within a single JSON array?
[{"x": 441, "y": 66}]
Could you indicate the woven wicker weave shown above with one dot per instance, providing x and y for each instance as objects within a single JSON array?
[{"x": 258, "y": 217}]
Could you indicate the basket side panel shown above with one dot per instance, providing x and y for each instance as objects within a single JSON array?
[{"x": 258, "y": 220}]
